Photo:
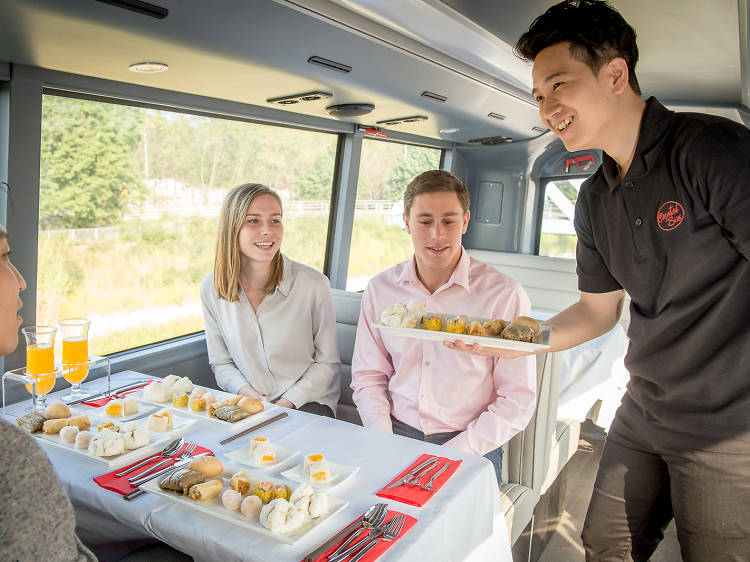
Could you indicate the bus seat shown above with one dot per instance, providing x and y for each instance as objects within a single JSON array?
[{"x": 346, "y": 306}]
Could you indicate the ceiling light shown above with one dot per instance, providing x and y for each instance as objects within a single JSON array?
[
  {"x": 148, "y": 67},
  {"x": 350, "y": 109},
  {"x": 448, "y": 131}
]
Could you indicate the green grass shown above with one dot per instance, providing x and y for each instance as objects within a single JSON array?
[
  {"x": 558, "y": 245},
  {"x": 150, "y": 264}
]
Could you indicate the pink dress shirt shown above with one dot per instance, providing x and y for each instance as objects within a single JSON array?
[{"x": 433, "y": 388}]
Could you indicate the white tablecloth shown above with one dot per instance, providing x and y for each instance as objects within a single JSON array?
[{"x": 451, "y": 525}]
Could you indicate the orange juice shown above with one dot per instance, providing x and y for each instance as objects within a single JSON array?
[
  {"x": 39, "y": 361},
  {"x": 75, "y": 352}
]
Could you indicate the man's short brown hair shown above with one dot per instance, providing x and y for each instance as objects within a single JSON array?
[{"x": 433, "y": 181}]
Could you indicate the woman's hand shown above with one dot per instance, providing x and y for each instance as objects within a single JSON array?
[
  {"x": 285, "y": 403},
  {"x": 248, "y": 390}
]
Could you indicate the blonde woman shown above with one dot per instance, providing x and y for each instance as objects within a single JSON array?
[{"x": 270, "y": 324}]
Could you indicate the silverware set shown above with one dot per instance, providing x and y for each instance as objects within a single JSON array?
[
  {"x": 413, "y": 477},
  {"x": 111, "y": 392},
  {"x": 374, "y": 521},
  {"x": 186, "y": 454}
]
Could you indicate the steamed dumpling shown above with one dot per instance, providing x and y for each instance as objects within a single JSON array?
[
  {"x": 318, "y": 505},
  {"x": 251, "y": 506},
  {"x": 231, "y": 499},
  {"x": 157, "y": 392}
]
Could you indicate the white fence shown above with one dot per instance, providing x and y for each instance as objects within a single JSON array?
[{"x": 153, "y": 212}]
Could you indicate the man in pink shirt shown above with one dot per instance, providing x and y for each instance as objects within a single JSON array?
[{"x": 466, "y": 402}]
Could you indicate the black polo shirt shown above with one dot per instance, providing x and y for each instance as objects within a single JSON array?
[{"x": 675, "y": 234}]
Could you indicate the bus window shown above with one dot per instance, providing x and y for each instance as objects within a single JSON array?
[
  {"x": 557, "y": 235},
  {"x": 379, "y": 238},
  {"x": 128, "y": 208}
]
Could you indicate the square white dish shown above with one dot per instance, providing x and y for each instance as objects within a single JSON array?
[
  {"x": 487, "y": 341},
  {"x": 157, "y": 440},
  {"x": 339, "y": 474},
  {"x": 203, "y": 415},
  {"x": 214, "y": 508},
  {"x": 243, "y": 456}
]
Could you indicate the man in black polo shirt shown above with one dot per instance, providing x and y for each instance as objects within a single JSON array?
[{"x": 666, "y": 218}]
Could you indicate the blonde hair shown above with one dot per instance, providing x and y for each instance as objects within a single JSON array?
[
  {"x": 432, "y": 181},
  {"x": 227, "y": 261}
]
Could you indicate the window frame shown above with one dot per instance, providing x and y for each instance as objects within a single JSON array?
[{"x": 20, "y": 120}]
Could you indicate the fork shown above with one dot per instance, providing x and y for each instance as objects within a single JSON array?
[
  {"x": 187, "y": 452},
  {"x": 372, "y": 523},
  {"x": 429, "y": 485},
  {"x": 413, "y": 480},
  {"x": 391, "y": 533}
]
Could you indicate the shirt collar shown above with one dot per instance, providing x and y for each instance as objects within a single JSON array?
[
  {"x": 655, "y": 124},
  {"x": 288, "y": 279},
  {"x": 460, "y": 275}
]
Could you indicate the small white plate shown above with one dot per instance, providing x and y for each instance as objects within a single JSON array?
[
  {"x": 243, "y": 456},
  {"x": 339, "y": 474},
  {"x": 214, "y": 508}
]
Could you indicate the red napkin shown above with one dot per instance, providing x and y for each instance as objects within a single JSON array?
[
  {"x": 414, "y": 495},
  {"x": 99, "y": 402},
  {"x": 381, "y": 546},
  {"x": 121, "y": 485}
]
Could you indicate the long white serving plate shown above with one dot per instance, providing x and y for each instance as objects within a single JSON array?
[
  {"x": 487, "y": 341},
  {"x": 215, "y": 509},
  {"x": 157, "y": 440},
  {"x": 203, "y": 415}
]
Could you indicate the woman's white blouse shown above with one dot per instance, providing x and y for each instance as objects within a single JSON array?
[{"x": 287, "y": 348}]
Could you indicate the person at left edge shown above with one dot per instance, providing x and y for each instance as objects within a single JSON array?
[{"x": 270, "y": 324}]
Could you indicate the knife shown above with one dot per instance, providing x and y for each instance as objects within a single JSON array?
[
  {"x": 100, "y": 394},
  {"x": 412, "y": 472},
  {"x": 338, "y": 537}
]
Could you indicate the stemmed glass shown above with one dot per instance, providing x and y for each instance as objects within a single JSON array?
[
  {"x": 40, "y": 361},
  {"x": 75, "y": 360}
]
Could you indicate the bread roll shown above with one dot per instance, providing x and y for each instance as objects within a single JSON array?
[
  {"x": 250, "y": 405},
  {"x": 526, "y": 321},
  {"x": 51, "y": 427},
  {"x": 208, "y": 466},
  {"x": 206, "y": 490},
  {"x": 57, "y": 410}
]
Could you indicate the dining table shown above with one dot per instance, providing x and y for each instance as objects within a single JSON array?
[{"x": 462, "y": 521}]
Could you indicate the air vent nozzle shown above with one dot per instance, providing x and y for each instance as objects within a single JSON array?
[
  {"x": 495, "y": 115},
  {"x": 330, "y": 64},
  {"x": 350, "y": 109},
  {"x": 401, "y": 120},
  {"x": 296, "y": 98},
  {"x": 539, "y": 130},
  {"x": 433, "y": 96},
  {"x": 139, "y": 7},
  {"x": 492, "y": 140}
]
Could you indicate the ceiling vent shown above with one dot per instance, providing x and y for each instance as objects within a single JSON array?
[
  {"x": 330, "y": 64},
  {"x": 492, "y": 140},
  {"x": 139, "y": 7},
  {"x": 296, "y": 98},
  {"x": 495, "y": 115},
  {"x": 539, "y": 130},
  {"x": 400, "y": 120},
  {"x": 433, "y": 96},
  {"x": 350, "y": 109}
]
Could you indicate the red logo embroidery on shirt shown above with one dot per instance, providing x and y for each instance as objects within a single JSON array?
[{"x": 670, "y": 215}]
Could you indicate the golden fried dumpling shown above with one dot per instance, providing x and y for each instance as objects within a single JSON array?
[
  {"x": 495, "y": 327},
  {"x": 434, "y": 323},
  {"x": 457, "y": 325},
  {"x": 241, "y": 482},
  {"x": 475, "y": 329},
  {"x": 179, "y": 400}
]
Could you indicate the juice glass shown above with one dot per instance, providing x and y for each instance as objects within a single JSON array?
[
  {"x": 40, "y": 361},
  {"x": 75, "y": 352}
]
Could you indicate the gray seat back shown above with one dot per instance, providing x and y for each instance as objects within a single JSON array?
[{"x": 347, "y": 307}]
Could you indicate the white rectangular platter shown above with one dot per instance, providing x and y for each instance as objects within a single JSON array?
[
  {"x": 215, "y": 509},
  {"x": 203, "y": 415},
  {"x": 487, "y": 341},
  {"x": 157, "y": 440}
]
